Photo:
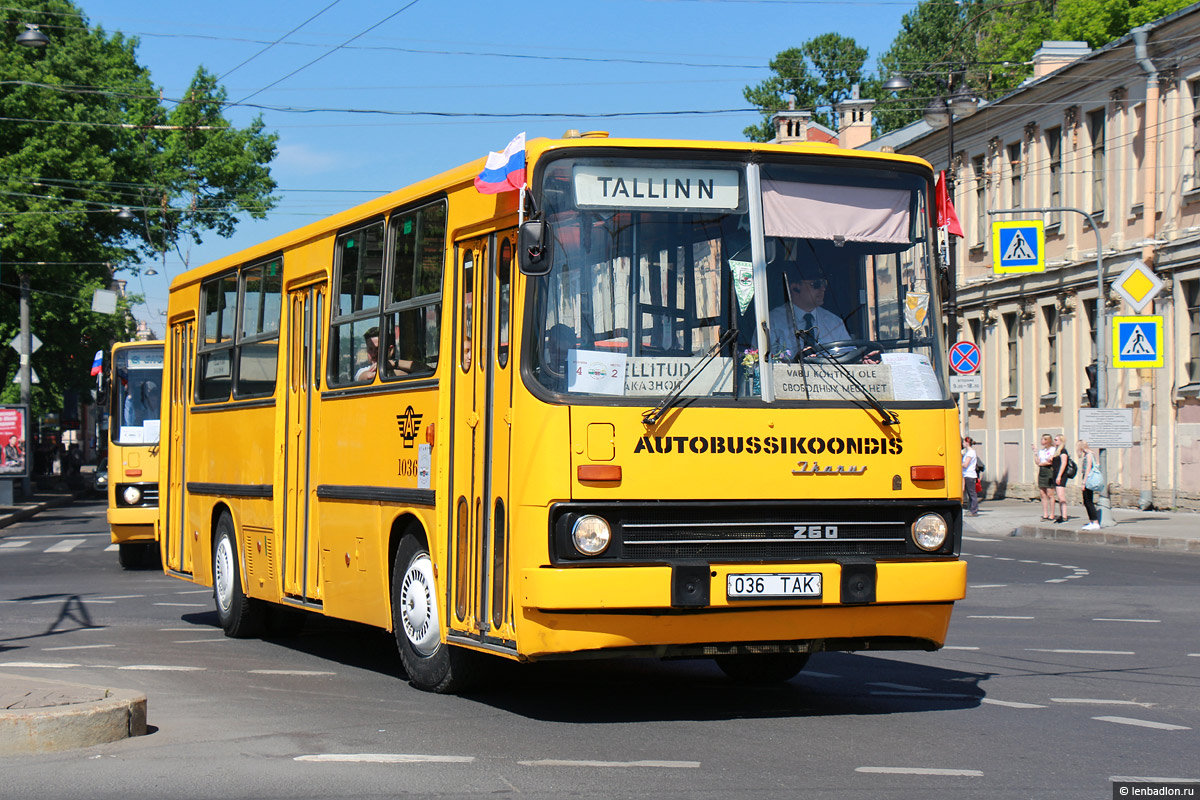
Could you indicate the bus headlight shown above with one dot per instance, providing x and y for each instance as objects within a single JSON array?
[
  {"x": 930, "y": 531},
  {"x": 591, "y": 535},
  {"x": 132, "y": 495}
]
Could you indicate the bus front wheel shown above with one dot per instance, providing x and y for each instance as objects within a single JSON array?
[
  {"x": 762, "y": 668},
  {"x": 431, "y": 664},
  {"x": 241, "y": 617}
]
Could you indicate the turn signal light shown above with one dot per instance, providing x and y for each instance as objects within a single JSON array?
[
  {"x": 929, "y": 472},
  {"x": 610, "y": 473},
  {"x": 133, "y": 473}
]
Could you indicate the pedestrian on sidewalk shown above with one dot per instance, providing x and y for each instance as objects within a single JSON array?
[
  {"x": 1044, "y": 458},
  {"x": 969, "y": 461},
  {"x": 1087, "y": 461},
  {"x": 1061, "y": 456}
]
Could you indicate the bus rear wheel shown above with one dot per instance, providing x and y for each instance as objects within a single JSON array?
[
  {"x": 762, "y": 668},
  {"x": 241, "y": 617},
  {"x": 432, "y": 665}
]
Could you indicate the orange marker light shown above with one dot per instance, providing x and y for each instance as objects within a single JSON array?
[
  {"x": 599, "y": 472},
  {"x": 929, "y": 472}
]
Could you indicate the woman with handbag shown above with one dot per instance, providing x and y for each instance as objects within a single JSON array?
[
  {"x": 1044, "y": 458},
  {"x": 1093, "y": 481}
]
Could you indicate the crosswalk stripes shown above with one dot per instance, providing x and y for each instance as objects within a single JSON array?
[{"x": 65, "y": 544}]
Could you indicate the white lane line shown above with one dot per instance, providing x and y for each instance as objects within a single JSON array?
[
  {"x": 112, "y": 547},
  {"x": 65, "y": 546},
  {"x": 1080, "y": 652},
  {"x": 1144, "y": 779},
  {"x": 1057, "y": 580},
  {"x": 59, "y": 535},
  {"x": 994, "y": 616},
  {"x": 556, "y": 762},
  {"x": 1004, "y": 558},
  {"x": 958, "y": 647},
  {"x": 121, "y": 597},
  {"x": 1117, "y": 619},
  {"x": 967, "y": 773},
  {"x": 1143, "y": 723},
  {"x": 289, "y": 672},
  {"x": 987, "y": 585},
  {"x": 36, "y": 664},
  {"x": 200, "y": 641},
  {"x": 79, "y": 647},
  {"x": 901, "y": 686},
  {"x": 1010, "y": 703},
  {"x": 160, "y": 668},
  {"x": 63, "y": 599},
  {"x": 1193, "y": 655},
  {"x": 1100, "y": 702},
  {"x": 976, "y": 539},
  {"x": 184, "y": 605},
  {"x": 196, "y": 591},
  {"x": 385, "y": 758},
  {"x": 14, "y": 544},
  {"x": 1029, "y": 561}
]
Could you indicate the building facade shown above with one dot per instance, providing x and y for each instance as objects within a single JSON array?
[{"x": 1114, "y": 133}]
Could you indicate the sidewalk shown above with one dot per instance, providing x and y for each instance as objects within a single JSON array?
[
  {"x": 1176, "y": 531},
  {"x": 26, "y": 508}
]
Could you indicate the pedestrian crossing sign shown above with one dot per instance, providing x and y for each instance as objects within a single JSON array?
[
  {"x": 1138, "y": 341},
  {"x": 1018, "y": 246}
]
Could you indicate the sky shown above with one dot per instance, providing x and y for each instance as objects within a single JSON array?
[{"x": 662, "y": 68}]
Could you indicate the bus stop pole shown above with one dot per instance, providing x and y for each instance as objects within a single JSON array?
[{"x": 1103, "y": 503}]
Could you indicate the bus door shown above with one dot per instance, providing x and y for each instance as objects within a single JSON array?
[
  {"x": 301, "y": 544},
  {"x": 177, "y": 547},
  {"x": 479, "y": 603}
]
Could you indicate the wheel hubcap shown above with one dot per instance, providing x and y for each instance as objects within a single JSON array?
[
  {"x": 223, "y": 573},
  {"x": 418, "y": 613}
]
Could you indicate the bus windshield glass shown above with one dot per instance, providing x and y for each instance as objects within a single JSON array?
[
  {"x": 136, "y": 394},
  {"x": 652, "y": 262}
]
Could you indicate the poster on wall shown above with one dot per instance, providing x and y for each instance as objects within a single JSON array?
[{"x": 14, "y": 460}]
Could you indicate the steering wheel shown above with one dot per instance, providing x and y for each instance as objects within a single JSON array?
[{"x": 843, "y": 351}]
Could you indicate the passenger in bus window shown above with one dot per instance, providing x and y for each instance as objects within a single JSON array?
[{"x": 395, "y": 365}]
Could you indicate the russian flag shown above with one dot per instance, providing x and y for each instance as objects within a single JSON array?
[
  {"x": 505, "y": 171},
  {"x": 98, "y": 362}
]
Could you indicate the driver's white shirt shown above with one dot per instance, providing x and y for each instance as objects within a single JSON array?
[{"x": 830, "y": 327}]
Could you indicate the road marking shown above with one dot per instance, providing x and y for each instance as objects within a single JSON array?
[
  {"x": 161, "y": 668},
  {"x": 1004, "y": 558},
  {"x": 192, "y": 629},
  {"x": 994, "y": 616},
  {"x": 289, "y": 672},
  {"x": 555, "y": 762},
  {"x": 1143, "y": 723},
  {"x": 385, "y": 758},
  {"x": 901, "y": 686},
  {"x": 112, "y": 547},
  {"x": 1112, "y": 619},
  {"x": 65, "y": 599},
  {"x": 59, "y": 535},
  {"x": 987, "y": 585},
  {"x": 79, "y": 647},
  {"x": 65, "y": 546},
  {"x": 968, "y": 773},
  {"x": 1144, "y": 779},
  {"x": 958, "y": 647},
  {"x": 1080, "y": 652},
  {"x": 976, "y": 539},
  {"x": 196, "y": 591},
  {"x": 36, "y": 664},
  {"x": 184, "y": 605},
  {"x": 121, "y": 597},
  {"x": 1099, "y": 702},
  {"x": 14, "y": 544},
  {"x": 1029, "y": 561},
  {"x": 198, "y": 641},
  {"x": 1010, "y": 703}
]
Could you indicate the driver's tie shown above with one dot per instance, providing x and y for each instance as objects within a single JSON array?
[{"x": 810, "y": 330}]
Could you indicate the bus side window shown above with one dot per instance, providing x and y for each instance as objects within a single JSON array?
[
  {"x": 214, "y": 356},
  {"x": 413, "y": 321},
  {"x": 468, "y": 309},
  {"x": 358, "y": 257}
]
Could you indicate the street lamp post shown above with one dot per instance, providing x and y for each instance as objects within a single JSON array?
[{"x": 32, "y": 38}]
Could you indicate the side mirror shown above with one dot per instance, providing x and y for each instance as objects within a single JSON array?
[{"x": 533, "y": 247}]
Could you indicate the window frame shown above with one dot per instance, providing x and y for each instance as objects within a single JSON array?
[
  {"x": 241, "y": 340},
  {"x": 1016, "y": 176},
  {"x": 1098, "y": 134},
  {"x": 336, "y": 319},
  {"x": 203, "y": 348},
  {"x": 1054, "y": 175},
  {"x": 414, "y": 302}
]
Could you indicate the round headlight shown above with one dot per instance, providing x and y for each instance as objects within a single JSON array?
[
  {"x": 930, "y": 531},
  {"x": 591, "y": 535},
  {"x": 132, "y": 495}
]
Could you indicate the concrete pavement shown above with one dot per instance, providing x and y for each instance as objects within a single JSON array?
[{"x": 40, "y": 715}]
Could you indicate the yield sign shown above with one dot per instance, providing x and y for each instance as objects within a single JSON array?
[{"x": 964, "y": 358}]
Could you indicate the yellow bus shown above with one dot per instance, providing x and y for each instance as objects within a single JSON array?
[
  {"x": 690, "y": 400},
  {"x": 135, "y": 392}
]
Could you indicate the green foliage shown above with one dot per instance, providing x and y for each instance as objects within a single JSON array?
[
  {"x": 819, "y": 73},
  {"x": 85, "y": 133}
]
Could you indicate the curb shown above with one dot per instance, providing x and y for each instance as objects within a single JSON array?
[
  {"x": 24, "y": 513},
  {"x": 1138, "y": 540},
  {"x": 119, "y": 714}
]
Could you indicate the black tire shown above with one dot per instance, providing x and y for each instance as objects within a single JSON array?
[
  {"x": 431, "y": 664},
  {"x": 133, "y": 555},
  {"x": 241, "y": 617},
  {"x": 762, "y": 668}
]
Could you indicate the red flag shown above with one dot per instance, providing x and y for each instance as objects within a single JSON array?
[{"x": 946, "y": 218}]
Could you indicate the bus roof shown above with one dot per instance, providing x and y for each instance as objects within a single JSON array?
[{"x": 462, "y": 176}]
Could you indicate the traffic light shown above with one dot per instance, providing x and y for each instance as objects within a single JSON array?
[{"x": 1090, "y": 370}]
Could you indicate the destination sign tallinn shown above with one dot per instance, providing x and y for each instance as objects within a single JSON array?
[{"x": 677, "y": 188}]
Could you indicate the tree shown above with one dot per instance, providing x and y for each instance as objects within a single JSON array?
[
  {"x": 818, "y": 74},
  {"x": 85, "y": 134}
]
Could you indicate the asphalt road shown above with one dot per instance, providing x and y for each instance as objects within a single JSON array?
[{"x": 1067, "y": 665}]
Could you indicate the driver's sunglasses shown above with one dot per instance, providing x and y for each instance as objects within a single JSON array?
[{"x": 818, "y": 283}]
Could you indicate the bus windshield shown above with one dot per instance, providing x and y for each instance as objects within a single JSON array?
[
  {"x": 652, "y": 265},
  {"x": 137, "y": 392}
]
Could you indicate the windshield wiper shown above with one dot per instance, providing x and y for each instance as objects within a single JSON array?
[
  {"x": 887, "y": 416},
  {"x": 653, "y": 415}
]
